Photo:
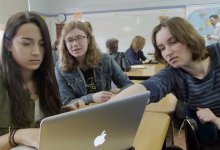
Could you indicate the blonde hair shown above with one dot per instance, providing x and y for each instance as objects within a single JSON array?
[
  {"x": 163, "y": 18},
  {"x": 68, "y": 62},
  {"x": 88, "y": 24},
  {"x": 138, "y": 43}
]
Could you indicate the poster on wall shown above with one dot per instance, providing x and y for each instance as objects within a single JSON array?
[
  {"x": 198, "y": 16},
  {"x": 59, "y": 28}
]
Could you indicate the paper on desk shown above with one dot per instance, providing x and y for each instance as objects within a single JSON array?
[
  {"x": 138, "y": 66},
  {"x": 23, "y": 148}
]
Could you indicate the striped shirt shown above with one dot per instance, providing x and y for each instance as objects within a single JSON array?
[{"x": 204, "y": 93}]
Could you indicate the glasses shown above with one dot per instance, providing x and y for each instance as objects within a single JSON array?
[{"x": 78, "y": 39}]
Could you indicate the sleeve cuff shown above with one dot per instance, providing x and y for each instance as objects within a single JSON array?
[{"x": 87, "y": 99}]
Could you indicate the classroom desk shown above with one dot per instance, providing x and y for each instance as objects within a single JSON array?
[
  {"x": 144, "y": 73},
  {"x": 167, "y": 105},
  {"x": 152, "y": 131},
  {"x": 137, "y": 81}
]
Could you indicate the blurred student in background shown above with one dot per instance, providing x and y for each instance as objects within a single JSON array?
[
  {"x": 135, "y": 54},
  {"x": 215, "y": 37},
  {"x": 119, "y": 57},
  {"x": 163, "y": 18},
  {"x": 55, "y": 52},
  {"x": 84, "y": 73},
  {"x": 88, "y": 24}
]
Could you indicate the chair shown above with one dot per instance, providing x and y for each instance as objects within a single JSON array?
[{"x": 192, "y": 142}]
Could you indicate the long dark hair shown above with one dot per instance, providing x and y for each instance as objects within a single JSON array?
[{"x": 44, "y": 76}]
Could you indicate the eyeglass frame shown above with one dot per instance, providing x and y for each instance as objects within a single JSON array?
[{"x": 78, "y": 39}]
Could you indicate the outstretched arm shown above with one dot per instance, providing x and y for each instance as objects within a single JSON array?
[
  {"x": 134, "y": 89},
  {"x": 213, "y": 37}
]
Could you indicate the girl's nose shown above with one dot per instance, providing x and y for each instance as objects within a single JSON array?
[
  {"x": 36, "y": 50},
  {"x": 169, "y": 51}
]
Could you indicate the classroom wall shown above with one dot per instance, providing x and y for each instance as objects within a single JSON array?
[
  {"x": 9, "y": 7},
  {"x": 119, "y": 19},
  {"x": 199, "y": 15},
  {"x": 86, "y": 6},
  {"x": 122, "y": 25}
]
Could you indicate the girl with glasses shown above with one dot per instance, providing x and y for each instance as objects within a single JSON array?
[{"x": 83, "y": 72}]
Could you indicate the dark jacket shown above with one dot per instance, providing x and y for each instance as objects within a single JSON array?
[{"x": 135, "y": 58}]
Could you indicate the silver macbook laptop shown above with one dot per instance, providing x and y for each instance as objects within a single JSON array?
[{"x": 108, "y": 126}]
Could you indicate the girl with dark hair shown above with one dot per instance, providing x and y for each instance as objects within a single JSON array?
[{"x": 28, "y": 87}]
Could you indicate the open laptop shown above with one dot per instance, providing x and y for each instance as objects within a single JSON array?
[{"x": 107, "y": 126}]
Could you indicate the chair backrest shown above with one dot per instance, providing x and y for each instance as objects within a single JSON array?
[
  {"x": 122, "y": 61},
  {"x": 190, "y": 134}
]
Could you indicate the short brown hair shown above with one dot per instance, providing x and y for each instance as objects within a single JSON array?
[
  {"x": 184, "y": 33},
  {"x": 112, "y": 44}
]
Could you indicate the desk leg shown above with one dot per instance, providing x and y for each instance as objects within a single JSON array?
[
  {"x": 172, "y": 147},
  {"x": 164, "y": 145}
]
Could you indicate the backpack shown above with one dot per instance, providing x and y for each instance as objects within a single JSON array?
[{"x": 122, "y": 61}]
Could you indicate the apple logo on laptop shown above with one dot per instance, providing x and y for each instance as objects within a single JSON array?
[{"x": 100, "y": 139}]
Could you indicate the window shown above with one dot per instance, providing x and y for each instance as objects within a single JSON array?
[{"x": 2, "y": 27}]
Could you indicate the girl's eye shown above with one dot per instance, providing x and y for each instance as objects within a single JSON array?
[
  {"x": 42, "y": 44},
  {"x": 173, "y": 42},
  {"x": 161, "y": 48},
  {"x": 26, "y": 44}
]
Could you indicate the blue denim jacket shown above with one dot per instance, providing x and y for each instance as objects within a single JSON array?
[{"x": 72, "y": 85}]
